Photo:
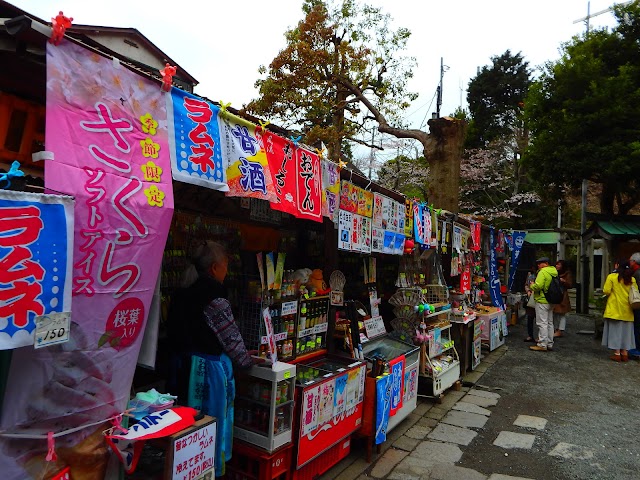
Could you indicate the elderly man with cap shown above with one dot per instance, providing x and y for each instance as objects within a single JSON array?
[{"x": 544, "y": 311}]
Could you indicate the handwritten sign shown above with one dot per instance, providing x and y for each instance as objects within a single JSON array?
[
  {"x": 374, "y": 327},
  {"x": 52, "y": 329},
  {"x": 289, "y": 308},
  {"x": 271, "y": 341},
  {"x": 194, "y": 453}
]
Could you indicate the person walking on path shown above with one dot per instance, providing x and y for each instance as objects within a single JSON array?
[
  {"x": 544, "y": 310},
  {"x": 634, "y": 263},
  {"x": 560, "y": 311},
  {"x": 531, "y": 304},
  {"x": 618, "y": 316}
]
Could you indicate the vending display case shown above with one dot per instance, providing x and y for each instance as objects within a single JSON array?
[
  {"x": 264, "y": 406},
  {"x": 442, "y": 362},
  {"x": 329, "y": 398},
  {"x": 401, "y": 361}
]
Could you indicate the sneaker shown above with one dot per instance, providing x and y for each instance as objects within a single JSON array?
[
  {"x": 537, "y": 348},
  {"x": 634, "y": 353}
]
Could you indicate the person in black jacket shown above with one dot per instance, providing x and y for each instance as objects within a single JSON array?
[{"x": 200, "y": 318}]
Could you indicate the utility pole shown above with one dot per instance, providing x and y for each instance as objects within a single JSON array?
[
  {"x": 589, "y": 15},
  {"x": 443, "y": 68}
]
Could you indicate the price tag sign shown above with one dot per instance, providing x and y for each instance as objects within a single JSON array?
[
  {"x": 374, "y": 327},
  {"x": 52, "y": 329},
  {"x": 289, "y": 308},
  {"x": 320, "y": 328}
]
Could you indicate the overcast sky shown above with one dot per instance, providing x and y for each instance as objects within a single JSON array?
[{"x": 222, "y": 43}]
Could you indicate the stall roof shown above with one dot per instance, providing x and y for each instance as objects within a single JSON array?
[
  {"x": 542, "y": 237},
  {"x": 615, "y": 228}
]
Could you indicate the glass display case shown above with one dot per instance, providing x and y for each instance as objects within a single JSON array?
[
  {"x": 401, "y": 361},
  {"x": 264, "y": 406},
  {"x": 329, "y": 396}
]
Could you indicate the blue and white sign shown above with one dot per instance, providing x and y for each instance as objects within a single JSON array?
[
  {"x": 494, "y": 280},
  {"x": 194, "y": 141},
  {"x": 517, "y": 240},
  {"x": 36, "y": 244}
]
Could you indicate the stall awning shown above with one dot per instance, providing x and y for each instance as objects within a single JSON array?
[
  {"x": 609, "y": 229},
  {"x": 542, "y": 238}
]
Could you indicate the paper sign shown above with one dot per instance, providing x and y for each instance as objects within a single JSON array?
[
  {"x": 52, "y": 329},
  {"x": 197, "y": 451},
  {"x": 374, "y": 327},
  {"x": 289, "y": 308},
  {"x": 310, "y": 407}
]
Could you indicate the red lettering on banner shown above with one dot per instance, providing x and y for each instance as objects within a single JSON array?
[
  {"x": 19, "y": 227},
  {"x": 108, "y": 273},
  {"x": 199, "y": 110}
]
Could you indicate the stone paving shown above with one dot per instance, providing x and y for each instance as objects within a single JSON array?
[{"x": 429, "y": 442}]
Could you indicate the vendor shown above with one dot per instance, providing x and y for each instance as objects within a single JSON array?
[{"x": 201, "y": 328}]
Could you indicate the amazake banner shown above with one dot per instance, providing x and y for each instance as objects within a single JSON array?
[
  {"x": 194, "y": 141},
  {"x": 107, "y": 129},
  {"x": 248, "y": 173},
  {"x": 330, "y": 189}
]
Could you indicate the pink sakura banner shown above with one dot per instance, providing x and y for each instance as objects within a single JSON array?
[{"x": 107, "y": 129}]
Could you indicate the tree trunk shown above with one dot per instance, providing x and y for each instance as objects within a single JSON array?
[
  {"x": 444, "y": 162},
  {"x": 607, "y": 199}
]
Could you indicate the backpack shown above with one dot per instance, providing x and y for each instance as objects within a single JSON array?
[{"x": 555, "y": 292}]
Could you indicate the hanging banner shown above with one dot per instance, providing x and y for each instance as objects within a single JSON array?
[
  {"x": 408, "y": 218},
  {"x": 383, "y": 406},
  {"x": 494, "y": 280},
  {"x": 465, "y": 281},
  {"x": 36, "y": 248},
  {"x": 361, "y": 234},
  {"x": 107, "y": 128},
  {"x": 194, "y": 141},
  {"x": 365, "y": 202},
  {"x": 517, "y": 241},
  {"x": 308, "y": 185},
  {"x": 348, "y": 197},
  {"x": 475, "y": 236},
  {"x": 377, "y": 219},
  {"x": 248, "y": 173},
  {"x": 396, "y": 370},
  {"x": 280, "y": 155},
  {"x": 345, "y": 227},
  {"x": 330, "y": 190}
]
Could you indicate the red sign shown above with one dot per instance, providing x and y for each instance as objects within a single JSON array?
[
  {"x": 280, "y": 155},
  {"x": 327, "y": 435},
  {"x": 308, "y": 185}
]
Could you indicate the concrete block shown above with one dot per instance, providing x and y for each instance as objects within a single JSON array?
[
  {"x": 480, "y": 401},
  {"x": 499, "y": 476},
  {"x": 484, "y": 394},
  {"x": 452, "y": 434},
  {"x": 406, "y": 443},
  {"x": 570, "y": 451},
  {"x": 471, "y": 408},
  {"x": 527, "y": 421},
  {"x": 465, "y": 419},
  {"x": 385, "y": 464},
  {"x": 418, "y": 432},
  {"x": 444, "y": 471},
  {"x": 515, "y": 440}
]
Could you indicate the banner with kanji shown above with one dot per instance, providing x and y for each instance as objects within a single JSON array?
[
  {"x": 308, "y": 185},
  {"x": 517, "y": 241},
  {"x": 248, "y": 172},
  {"x": 330, "y": 189},
  {"x": 494, "y": 279},
  {"x": 282, "y": 164},
  {"x": 36, "y": 242},
  {"x": 348, "y": 197},
  {"x": 194, "y": 141},
  {"x": 107, "y": 130}
]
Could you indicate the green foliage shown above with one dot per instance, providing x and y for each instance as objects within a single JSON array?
[
  {"x": 495, "y": 97},
  {"x": 584, "y": 115},
  {"x": 336, "y": 41}
]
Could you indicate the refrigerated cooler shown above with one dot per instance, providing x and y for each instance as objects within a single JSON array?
[
  {"x": 400, "y": 362},
  {"x": 329, "y": 407}
]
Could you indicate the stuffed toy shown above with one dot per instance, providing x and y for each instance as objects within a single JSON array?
[
  {"x": 316, "y": 283},
  {"x": 301, "y": 277}
]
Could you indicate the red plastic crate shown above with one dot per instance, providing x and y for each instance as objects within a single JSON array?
[
  {"x": 251, "y": 463},
  {"x": 324, "y": 462}
]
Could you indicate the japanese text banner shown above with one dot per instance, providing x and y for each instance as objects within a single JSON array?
[
  {"x": 330, "y": 190},
  {"x": 107, "y": 128},
  {"x": 280, "y": 154},
  {"x": 194, "y": 141},
  {"x": 36, "y": 242},
  {"x": 308, "y": 185},
  {"x": 248, "y": 172}
]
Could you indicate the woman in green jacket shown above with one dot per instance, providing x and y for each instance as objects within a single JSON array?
[{"x": 618, "y": 316}]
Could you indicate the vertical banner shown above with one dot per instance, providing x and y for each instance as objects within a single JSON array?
[
  {"x": 330, "y": 190},
  {"x": 280, "y": 155},
  {"x": 308, "y": 185},
  {"x": 248, "y": 172},
  {"x": 408, "y": 218},
  {"x": 107, "y": 128},
  {"x": 36, "y": 248},
  {"x": 348, "y": 197},
  {"x": 475, "y": 236},
  {"x": 383, "y": 406},
  {"x": 194, "y": 141},
  {"x": 345, "y": 227},
  {"x": 517, "y": 241},
  {"x": 396, "y": 371},
  {"x": 310, "y": 409},
  {"x": 494, "y": 280}
]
